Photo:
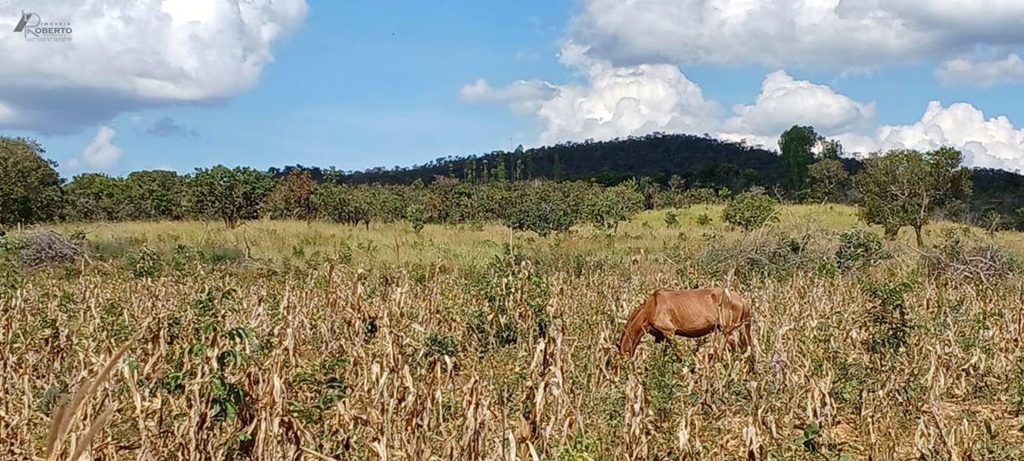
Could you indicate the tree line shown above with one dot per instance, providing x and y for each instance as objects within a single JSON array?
[{"x": 546, "y": 189}]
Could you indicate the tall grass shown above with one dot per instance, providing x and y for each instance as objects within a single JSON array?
[{"x": 332, "y": 342}]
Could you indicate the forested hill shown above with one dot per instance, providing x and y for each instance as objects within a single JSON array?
[{"x": 702, "y": 161}]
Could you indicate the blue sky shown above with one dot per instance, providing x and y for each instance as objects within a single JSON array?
[{"x": 363, "y": 84}]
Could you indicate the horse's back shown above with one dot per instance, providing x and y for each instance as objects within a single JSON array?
[
  {"x": 696, "y": 295},
  {"x": 690, "y": 313}
]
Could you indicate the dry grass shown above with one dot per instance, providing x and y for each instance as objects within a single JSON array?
[{"x": 444, "y": 347}]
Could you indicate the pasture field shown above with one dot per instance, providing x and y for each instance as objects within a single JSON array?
[{"x": 287, "y": 340}]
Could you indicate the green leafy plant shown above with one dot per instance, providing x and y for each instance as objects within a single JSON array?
[
  {"x": 751, "y": 210},
  {"x": 809, "y": 438},
  {"x": 859, "y": 248},
  {"x": 671, "y": 219},
  {"x": 144, "y": 263}
]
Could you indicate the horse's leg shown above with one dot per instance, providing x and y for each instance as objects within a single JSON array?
[
  {"x": 660, "y": 337},
  {"x": 676, "y": 348},
  {"x": 748, "y": 344},
  {"x": 735, "y": 336},
  {"x": 669, "y": 337},
  {"x": 739, "y": 337}
]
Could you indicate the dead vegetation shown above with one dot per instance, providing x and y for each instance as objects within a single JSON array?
[
  {"x": 510, "y": 356},
  {"x": 39, "y": 248}
]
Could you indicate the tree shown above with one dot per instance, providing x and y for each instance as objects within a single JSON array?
[
  {"x": 155, "y": 194},
  {"x": 292, "y": 197},
  {"x": 543, "y": 207},
  {"x": 606, "y": 207},
  {"x": 95, "y": 197},
  {"x": 676, "y": 184},
  {"x": 906, "y": 187},
  {"x": 796, "y": 149},
  {"x": 828, "y": 179},
  {"x": 829, "y": 149},
  {"x": 231, "y": 195},
  {"x": 30, "y": 190},
  {"x": 378, "y": 203},
  {"x": 338, "y": 203}
]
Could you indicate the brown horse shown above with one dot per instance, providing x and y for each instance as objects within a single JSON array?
[{"x": 687, "y": 313}]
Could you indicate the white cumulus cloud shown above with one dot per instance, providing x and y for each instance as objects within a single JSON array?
[
  {"x": 624, "y": 101},
  {"x": 839, "y": 34},
  {"x": 522, "y": 95},
  {"x": 981, "y": 73},
  {"x": 614, "y": 101},
  {"x": 785, "y": 101},
  {"x": 986, "y": 142},
  {"x": 101, "y": 154},
  {"x": 128, "y": 54},
  {"x": 522, "y": 90}
]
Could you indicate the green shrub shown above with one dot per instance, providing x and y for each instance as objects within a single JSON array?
[
  {"x": 671, "y": 219},
  {"x": 859, "y": 248},
  {"x": 416, "y": 215},
  {"x": 11, "y": 278},
  {"x": 543, "y": 208},
  {"x": 607, "y": 207},
  {"x": 661, "y": 382},
  {"x": 750, "y": 210},
  {"x": 184, "y": 259},
  {"x": 144, "y": 263},
  {"x": 439, "y": 345},
  {"x": 890, "y": 327},
  {"x": 700, "y": 196}
]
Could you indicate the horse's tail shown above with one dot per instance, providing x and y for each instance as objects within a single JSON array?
[{"x": 636, "y": 326}]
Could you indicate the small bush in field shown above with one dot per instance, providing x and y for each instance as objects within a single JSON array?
[
  {"x": 703, "y": 219},
  {"x": 859, "y": 248},
  {"x": 416, "y": 215},
  {"x": 440, "y": 345},
  {"x": 662, "y": 382},
  {"x": 671, "y": 219},
  {"x": 184, "y": 259},
  {"x": 750, "y": 210},
  {"x": 144, "y": 263},
  {"x": 889, "y": 322},
  {"x": 10, "y": 274}
]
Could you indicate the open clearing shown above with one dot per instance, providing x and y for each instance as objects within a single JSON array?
[{"x": 284, "y": 339}]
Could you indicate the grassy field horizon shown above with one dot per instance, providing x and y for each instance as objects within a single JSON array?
[
  {"x": 264, "y": 237},
  {"x": 280, "y": 339}
]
